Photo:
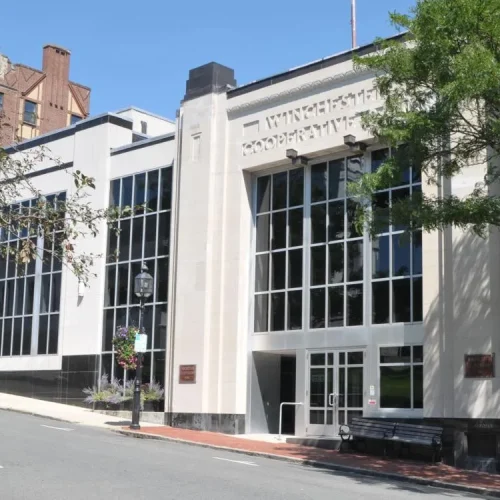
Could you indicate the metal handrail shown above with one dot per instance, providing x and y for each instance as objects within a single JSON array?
[{"x": 281, "y": 413}]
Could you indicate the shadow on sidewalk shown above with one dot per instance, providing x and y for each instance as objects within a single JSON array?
[
  {"x": 392, "y": 484},
  {"x": 405, "y": 468}
]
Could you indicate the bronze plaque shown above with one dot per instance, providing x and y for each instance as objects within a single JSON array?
[
  {"x": 479, "y": 365},
  {"x": 187, "y": 374}
]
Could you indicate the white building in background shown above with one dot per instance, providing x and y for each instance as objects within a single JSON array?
[{"x": 265, "y": 293}]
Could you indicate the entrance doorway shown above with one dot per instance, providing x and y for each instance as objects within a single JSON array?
[
  {"x": 335, "y": 390},
  {"x": 273, "y": 382},
  {"x": 287, "y": 393}
]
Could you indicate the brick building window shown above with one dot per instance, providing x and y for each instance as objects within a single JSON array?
[
  {"x": 1, "y": 101},
  {"x": 30, "y": 113}
]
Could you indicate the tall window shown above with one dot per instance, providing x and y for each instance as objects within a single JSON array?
[
  {"x": 279, "y": 251},
  {"x": 336, "y": 270},
  {"x": 396, "y": 256},
  {"x": 50, "y": 293},
  {"x": 401, "y": 377},
  {"x": 22, "y": 315},
  {"x": 1, "y": 101},
  {"x": 30, "y": 112},
  {"x": 144, "y": 236}
]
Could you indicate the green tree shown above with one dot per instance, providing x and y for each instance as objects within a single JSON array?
[
  {"x": 61, "y": 222},
  {"x": 442, "y": 101}
]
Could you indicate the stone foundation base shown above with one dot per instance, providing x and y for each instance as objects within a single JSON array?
[
  {"x": 227, "y": 423},
  {"x": 467, "y": 443}
]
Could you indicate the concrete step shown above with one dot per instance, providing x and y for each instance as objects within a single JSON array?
[{"x": 324, "y": 442}]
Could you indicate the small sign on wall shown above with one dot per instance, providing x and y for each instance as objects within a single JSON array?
[
  {"x": 479, "y": 366},
  {"x": 141, "y": 342},
  {"x": 187, "y": 374}
]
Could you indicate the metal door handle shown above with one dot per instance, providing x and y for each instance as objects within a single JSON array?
[{"x": 332, "y": 399}]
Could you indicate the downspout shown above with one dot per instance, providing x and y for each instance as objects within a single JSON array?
[{"x": 176, "y": 176}]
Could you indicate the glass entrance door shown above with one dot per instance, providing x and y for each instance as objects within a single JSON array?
[
  {"x": 350, "y": 386},
  {"x": 321, "y": 394},
  {"x": 335, "y": 390}
]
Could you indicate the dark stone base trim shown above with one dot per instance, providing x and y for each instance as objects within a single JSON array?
[
  {"x": 468, "y": 443},
  {"x": 59, "y": 386},
  {"x": 228, "y": 423}
]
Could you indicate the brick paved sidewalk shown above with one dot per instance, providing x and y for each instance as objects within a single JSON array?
[{"x": 405, "y": 469}]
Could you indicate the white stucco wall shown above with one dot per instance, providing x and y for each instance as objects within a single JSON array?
[
  {"x": 80, "y": 326},
  {"x": 156, "y": 125},
  {"x": 228, "y": 139},
  {"x": 225, "y": 141},
  {"x": 215, "y": 256},
  {"x": 461, "y": 297}
]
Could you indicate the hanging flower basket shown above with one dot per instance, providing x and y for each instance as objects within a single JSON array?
[{"x": 123, "y": 342}]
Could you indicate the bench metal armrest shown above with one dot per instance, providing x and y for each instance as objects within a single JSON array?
[
  {"x": 344, "y": 432},
  {"x": 436, "y": 441}
]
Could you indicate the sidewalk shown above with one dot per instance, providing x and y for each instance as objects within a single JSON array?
[
  {"x": 439, "y": 475},
  {"x": 64, "y": 413}
]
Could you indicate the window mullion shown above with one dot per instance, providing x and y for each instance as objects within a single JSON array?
[
  {"x": 411, "y": 380},
  {"x": 411, "y": 278},
  {"x": 37, "y": 294}
]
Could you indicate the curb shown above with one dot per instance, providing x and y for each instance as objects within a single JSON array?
[
  {"x": 358, "y": 471},
  {"x": 63, "y": 420},
  {"x": 35, "y": 414}
]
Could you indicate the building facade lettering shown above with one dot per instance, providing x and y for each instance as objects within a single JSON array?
[{"x": 343, "y": 123}]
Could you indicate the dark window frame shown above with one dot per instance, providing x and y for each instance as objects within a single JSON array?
[
  {"x": 23, "y": 318},
  {"x": 416, "y": 361},
  {"x": 30, "y": 117},
  {"x": 392, "y": 236},
  {"x": 122, "y": 310},
  {"x": 279, "y": 199},
  {"x": 329, "y": 179}
]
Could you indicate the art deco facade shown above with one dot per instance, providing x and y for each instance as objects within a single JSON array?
[{"x": 265, "y": 292}]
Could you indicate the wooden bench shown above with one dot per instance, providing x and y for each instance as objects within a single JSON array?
[
  {"x": 361, "y": 429},
  {"x": 421, "y": 435}
]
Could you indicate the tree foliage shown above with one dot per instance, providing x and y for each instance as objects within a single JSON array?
[
  {"x": 43, "y": 225},
  {"x": 442, "y": 100}
]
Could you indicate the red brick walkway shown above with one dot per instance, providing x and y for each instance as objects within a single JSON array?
[{"x": 405, "y": 468}]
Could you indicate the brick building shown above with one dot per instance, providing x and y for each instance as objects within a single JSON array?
[{"x": 34, "y": 102}]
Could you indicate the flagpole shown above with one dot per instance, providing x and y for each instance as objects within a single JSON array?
[{"x": 353, "y": 23}]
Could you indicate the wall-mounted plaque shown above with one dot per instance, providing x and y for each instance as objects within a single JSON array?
[
  {"x": 187, "y": 374},
  {"x": 479, "y": 365}
]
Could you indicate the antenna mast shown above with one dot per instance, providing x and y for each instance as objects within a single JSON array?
[{"x": 353, "y": 23}]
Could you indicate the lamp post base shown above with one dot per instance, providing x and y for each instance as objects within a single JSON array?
[{"x": 135, "y": 427}]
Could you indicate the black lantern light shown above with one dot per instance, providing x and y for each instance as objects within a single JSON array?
[
  {"x": 143, "y": 288},
  {"x": 143, "y": 283}
]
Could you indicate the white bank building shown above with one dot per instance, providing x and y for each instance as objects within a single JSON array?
[{"x": 265, "y": 293}]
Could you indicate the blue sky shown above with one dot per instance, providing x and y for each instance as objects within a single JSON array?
[{"x": 139, "y": 53}]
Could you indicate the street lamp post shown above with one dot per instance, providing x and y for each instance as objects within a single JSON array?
[{"x": 143, "y": 288}]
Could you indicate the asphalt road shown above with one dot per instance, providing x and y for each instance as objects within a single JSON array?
[{"x": 43, "y": 459}]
